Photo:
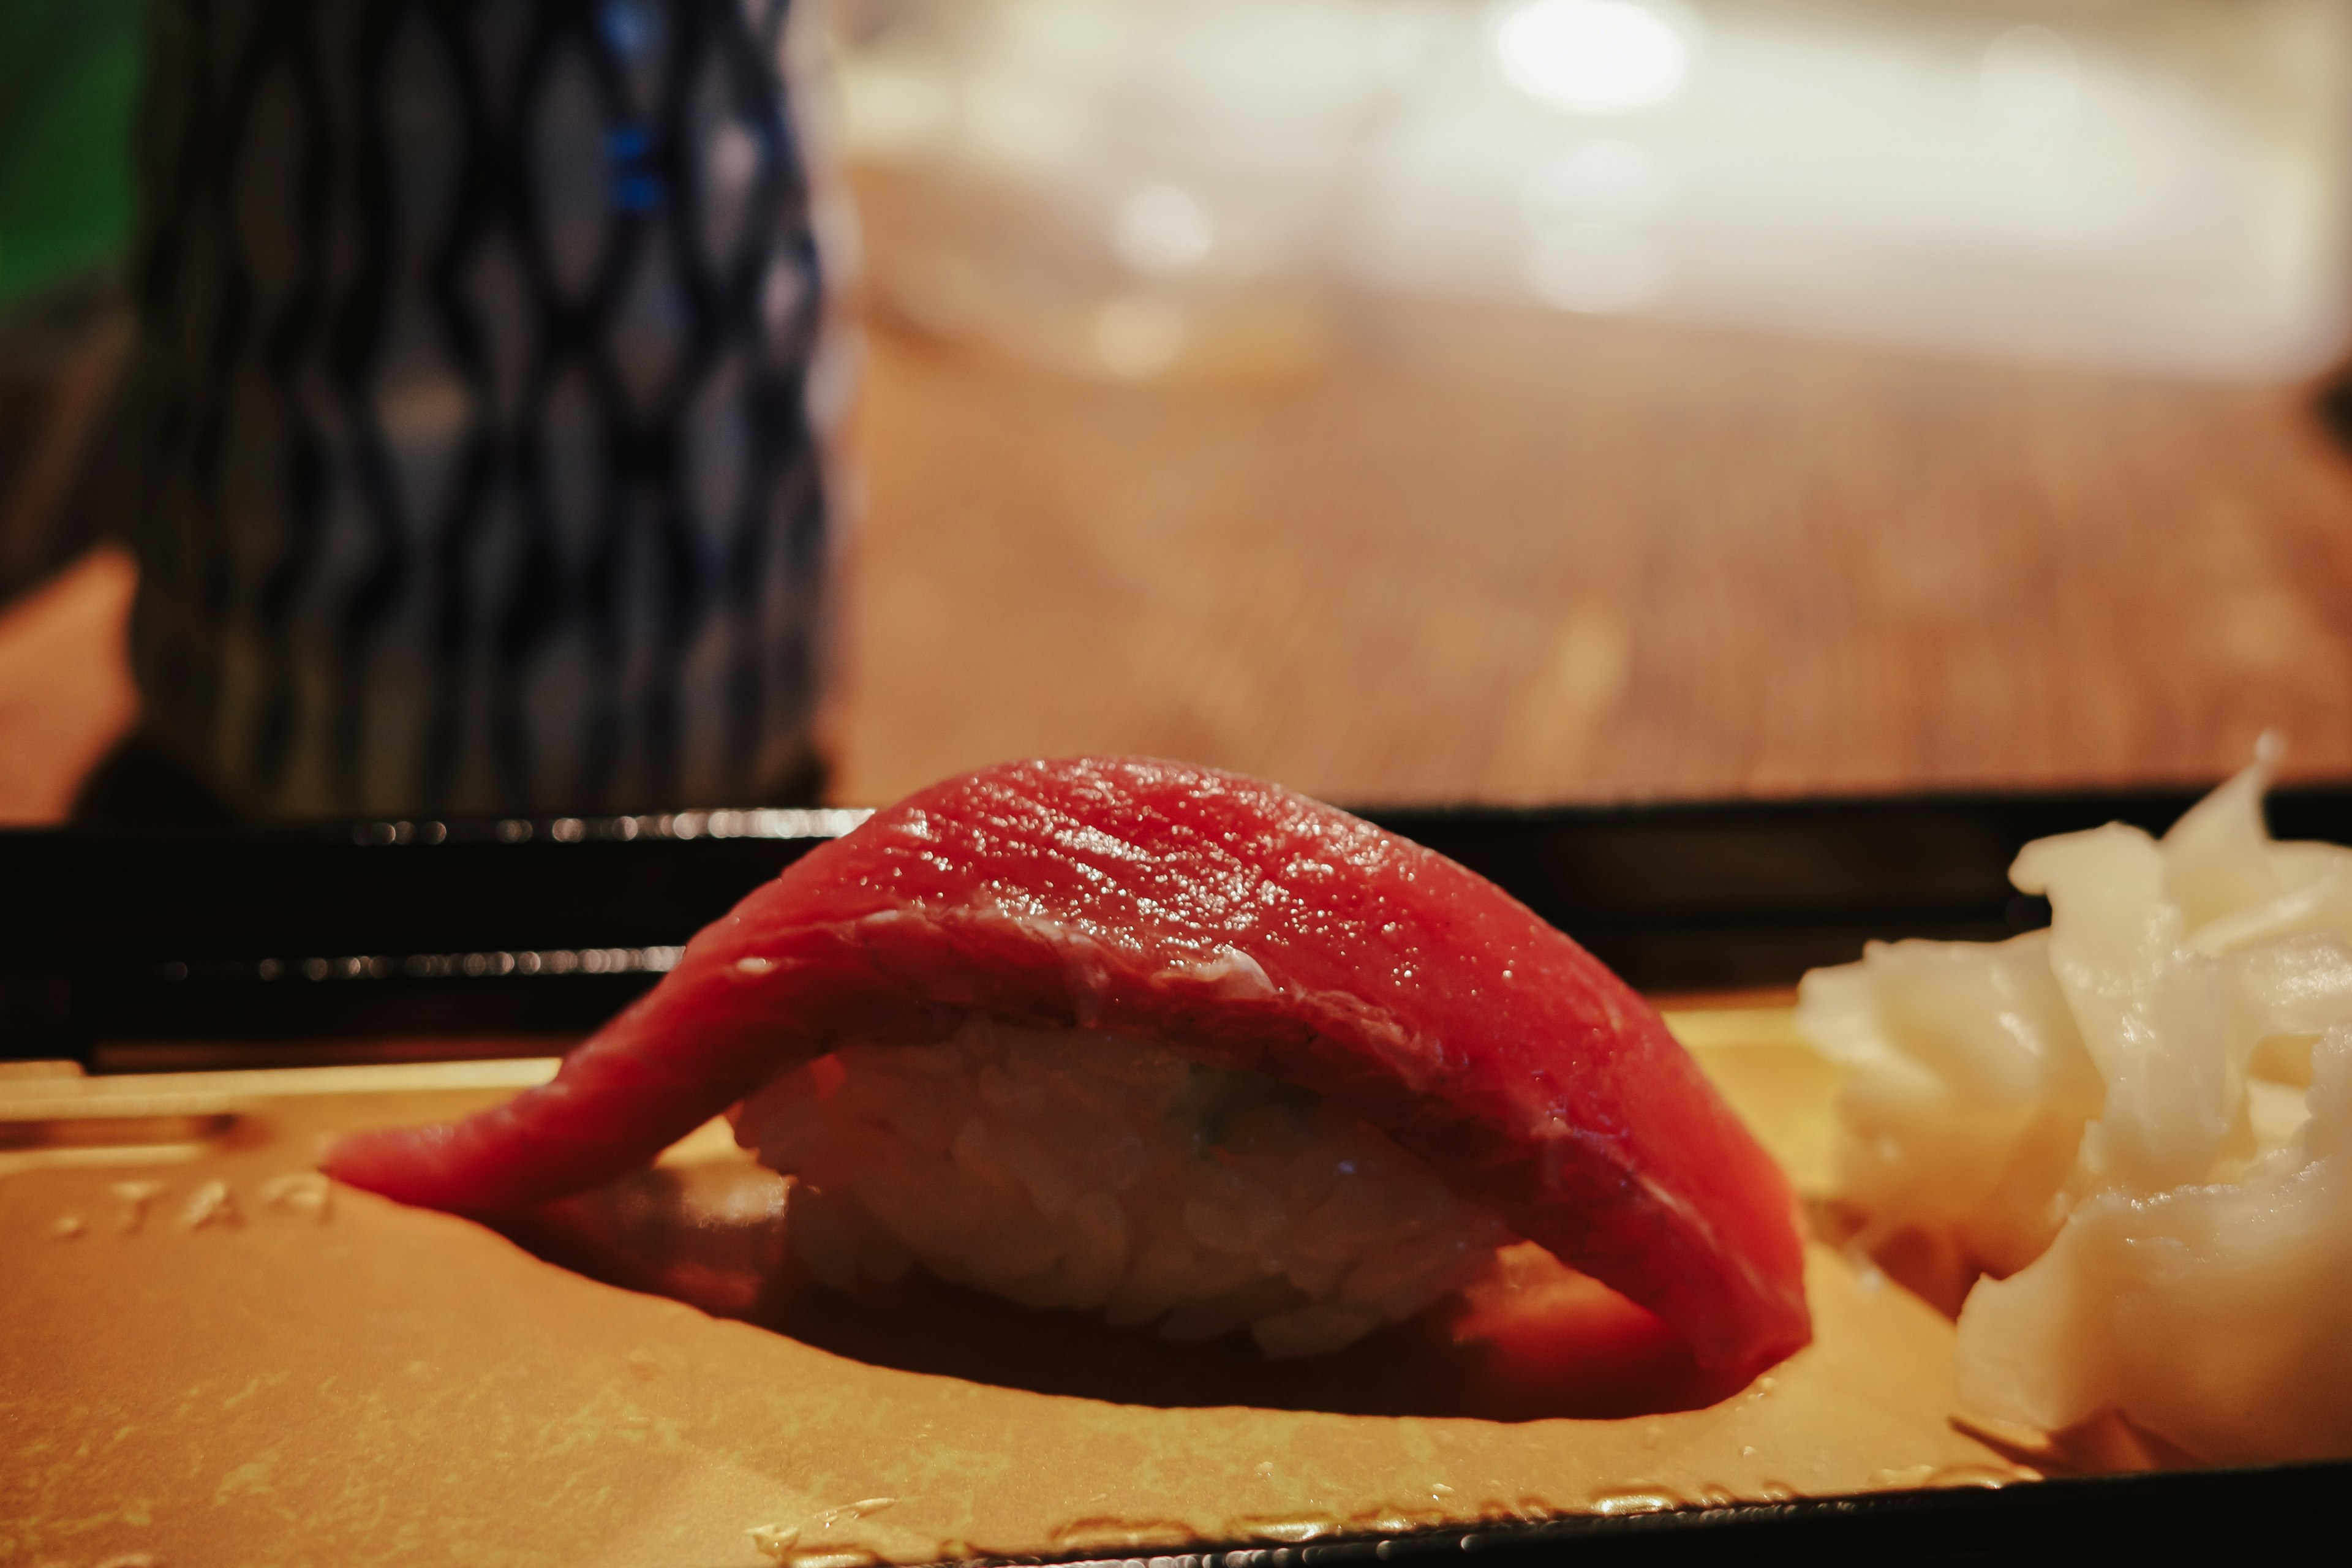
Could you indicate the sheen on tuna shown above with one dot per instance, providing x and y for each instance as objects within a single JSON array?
[{"x": 1246, "y": 927}]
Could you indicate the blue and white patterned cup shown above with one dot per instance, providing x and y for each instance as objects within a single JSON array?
[{"x": 484, "y": 397}]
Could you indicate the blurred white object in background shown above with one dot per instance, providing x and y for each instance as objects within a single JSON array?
[
  {"x": 1596, "y": 56},
  {"x": 1127, "y": 186},
  {"x": 1140, "y": 186}
]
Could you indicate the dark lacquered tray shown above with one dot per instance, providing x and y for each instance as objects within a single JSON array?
[
  {"x": 2189, "y": 1517},
  {"x": 468, "y": 929},
  {"x": 382, "y": 928}
]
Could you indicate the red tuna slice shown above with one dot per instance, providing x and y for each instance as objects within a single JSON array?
[{"x": 1242, "y": 925}]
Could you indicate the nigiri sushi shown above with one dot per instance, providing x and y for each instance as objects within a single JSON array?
[{"x": 1172, "y": 1045}]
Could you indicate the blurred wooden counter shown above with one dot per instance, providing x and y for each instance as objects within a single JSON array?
[{"x": 1520, "y": 556}]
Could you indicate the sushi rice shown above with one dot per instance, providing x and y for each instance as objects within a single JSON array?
[{"x": 1103, "y": 1172}]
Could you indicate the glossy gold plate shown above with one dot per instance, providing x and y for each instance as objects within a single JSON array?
[{"x": 210, "y": 1354}]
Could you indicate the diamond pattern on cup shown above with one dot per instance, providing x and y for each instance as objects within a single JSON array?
[{"x": 481, "y": 472}]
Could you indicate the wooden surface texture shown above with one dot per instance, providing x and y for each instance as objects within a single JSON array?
[{"x": 1520, "y": 556}]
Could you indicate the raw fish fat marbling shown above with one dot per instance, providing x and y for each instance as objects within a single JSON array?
[{"x": 1246, "y": 927}]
